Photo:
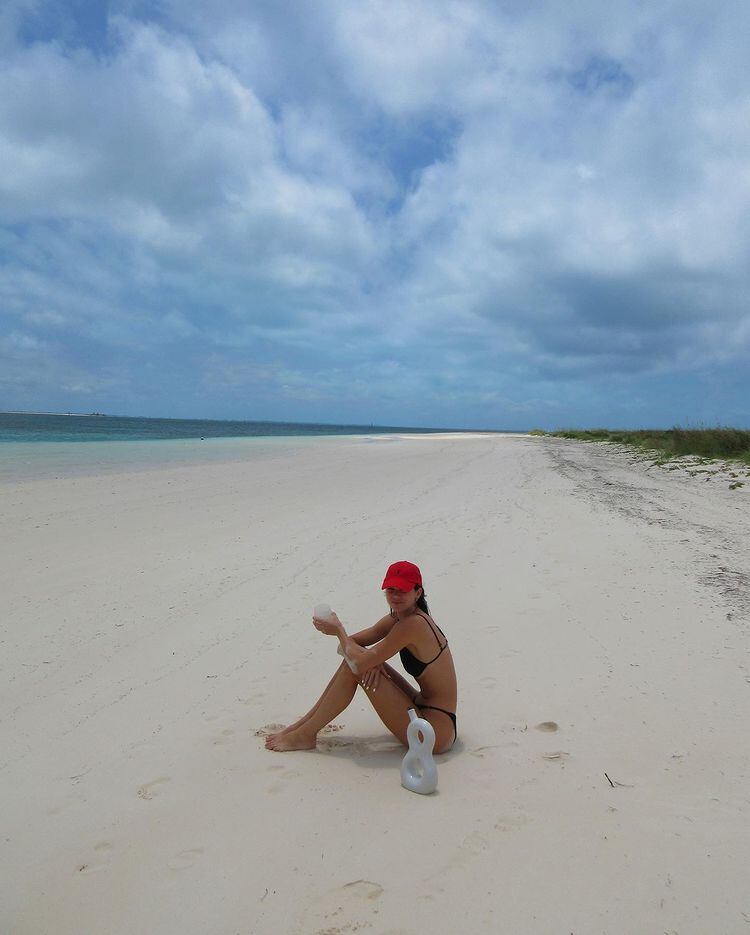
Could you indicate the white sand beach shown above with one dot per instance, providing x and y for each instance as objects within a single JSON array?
[{"x": 155, "y": 622}]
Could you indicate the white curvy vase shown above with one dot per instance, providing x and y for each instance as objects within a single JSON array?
[{"x": 418, "y": 770}]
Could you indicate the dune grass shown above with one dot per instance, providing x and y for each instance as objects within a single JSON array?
[{"x": 728, "y": 443}]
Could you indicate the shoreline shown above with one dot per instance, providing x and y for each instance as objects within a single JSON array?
[{"x": 57, "y": 460}]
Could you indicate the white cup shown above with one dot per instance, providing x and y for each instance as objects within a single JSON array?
[{"x": 322, "y": 611}]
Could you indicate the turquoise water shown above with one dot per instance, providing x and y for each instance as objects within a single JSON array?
[
  {"x": 43, "y": 447},
  {"x": 21, "y": 461},
  {"x": 43, "y": 427}
]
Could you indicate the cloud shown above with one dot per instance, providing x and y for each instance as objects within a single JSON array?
[{"x": 469, "y": 210}]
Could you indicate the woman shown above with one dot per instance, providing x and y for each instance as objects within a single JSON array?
[{"x": 407, "y": 629}]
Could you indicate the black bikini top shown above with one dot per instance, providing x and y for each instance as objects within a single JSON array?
[{"x": 410, "y": 662}]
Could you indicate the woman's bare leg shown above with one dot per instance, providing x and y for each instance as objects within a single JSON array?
[
  {"x": 404, "y": 684},
  {"x": 305, "y": 717},
  {"x": 392, "y": 700},
  {"x": 337, "y": 696},
  {"x": 406, "y": 687}
]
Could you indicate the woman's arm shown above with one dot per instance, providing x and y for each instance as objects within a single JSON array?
[
  {"x": 375, "y": 633},
  {"x": 381, "y": 633},
  {"x": 332, "y": 626},
  {"x": 400, "y": 634}
]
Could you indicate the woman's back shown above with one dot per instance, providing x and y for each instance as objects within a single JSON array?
[{"x": 429, "y": 660}]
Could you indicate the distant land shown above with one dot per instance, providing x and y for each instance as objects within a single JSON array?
[{"x": 38, "y": 412}]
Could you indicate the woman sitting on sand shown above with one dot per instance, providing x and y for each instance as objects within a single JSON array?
[{"x": 407, "y": 629}]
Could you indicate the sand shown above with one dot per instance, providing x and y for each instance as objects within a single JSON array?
[{"x": 155, "y": 622}]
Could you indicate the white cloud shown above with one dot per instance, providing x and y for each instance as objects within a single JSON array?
[{"x": 502, "y": 194}]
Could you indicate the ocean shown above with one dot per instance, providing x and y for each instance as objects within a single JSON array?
[
  {"x": 40, "y": 446},
  {"x": 49, "y": 427}
]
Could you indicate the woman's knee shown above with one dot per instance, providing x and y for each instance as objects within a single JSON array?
[{"x": 346, "y": 672}]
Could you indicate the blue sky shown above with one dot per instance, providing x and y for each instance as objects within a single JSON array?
[{"x": 439, "y": 213}]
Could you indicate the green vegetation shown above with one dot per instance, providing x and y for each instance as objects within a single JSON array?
[{"x": 728, "y": 443}]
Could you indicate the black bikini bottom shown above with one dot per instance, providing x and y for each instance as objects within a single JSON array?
[{"x": 451, "y": 715}]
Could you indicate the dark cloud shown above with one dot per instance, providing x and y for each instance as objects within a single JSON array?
[{"x": 601, "y": 74}]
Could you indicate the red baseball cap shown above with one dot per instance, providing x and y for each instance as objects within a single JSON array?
[{"x": 402, "y": 575}]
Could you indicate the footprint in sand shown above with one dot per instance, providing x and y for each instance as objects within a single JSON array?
[
  {"x": 548, "y": 727},
  {"x": 62, "y": 806},
  {"x": 224, "y": 738},
  {"x": 185, "y": 859},
  {"x": 488, "y": 682},
  {"x": 281, "y": 782},
  {"x": 341, "y": 910},
  {"x": 362, "y": 889},
  {"x": 94, "y": 866},
  {"x": 511, "y": 823},
  {"x": 150, "y": 789},
  {"x": 473, "y": 844},
  {"x": 481, "y": 752}
]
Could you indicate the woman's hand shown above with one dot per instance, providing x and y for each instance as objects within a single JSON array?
[
  {"x": 371, "y": 679},
  {"x": 332, "y": 626}
]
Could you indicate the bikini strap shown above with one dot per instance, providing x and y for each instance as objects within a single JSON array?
[{"x": 429, "y": 624}]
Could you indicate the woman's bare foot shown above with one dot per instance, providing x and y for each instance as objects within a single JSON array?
[
  {"x": 277, "y": 733},
  {"x": 287, "y": 730},
  {"x": 298, "y": 739}
]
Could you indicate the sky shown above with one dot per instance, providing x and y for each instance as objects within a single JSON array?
[{"x": 509, "y": 214}]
